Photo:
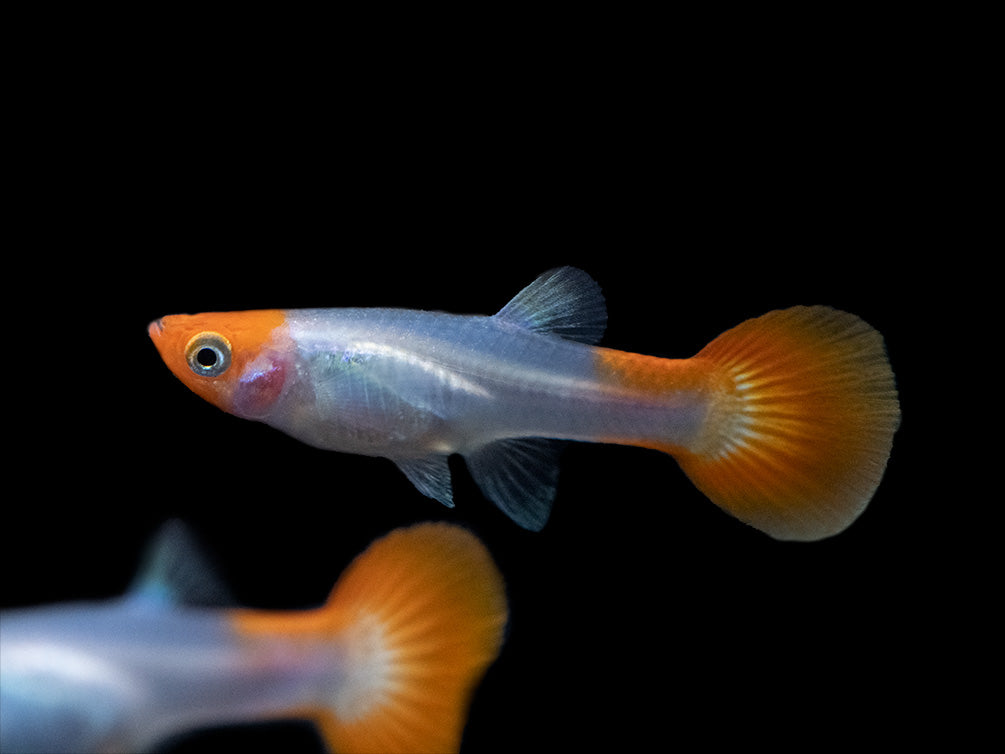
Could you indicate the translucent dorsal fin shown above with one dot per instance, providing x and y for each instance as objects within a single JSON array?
[
  {"x": 176, "y": 572},
  {"x": 565, "y": 302}
]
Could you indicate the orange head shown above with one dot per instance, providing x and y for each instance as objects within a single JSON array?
[{"x": 238, "y": 361}]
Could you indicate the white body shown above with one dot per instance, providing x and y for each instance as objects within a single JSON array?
[
  {"x": 405, "y": 384},
  {"x": 124, "y": 675}
]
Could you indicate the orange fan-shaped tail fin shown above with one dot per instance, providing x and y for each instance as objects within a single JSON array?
[{"x": 801, "y": 424}]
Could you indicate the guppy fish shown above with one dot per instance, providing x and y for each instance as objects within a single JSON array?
[
  {"x": 389, "y": 663},
  {"x": 785, "y": 421}
]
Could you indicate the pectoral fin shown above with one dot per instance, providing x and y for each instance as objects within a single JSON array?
[{"x": 431, "y": 476}]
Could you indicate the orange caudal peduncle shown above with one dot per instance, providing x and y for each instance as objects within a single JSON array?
[
  {"x": 651, "y": 375},
  {"x": 680, "y": 388}
]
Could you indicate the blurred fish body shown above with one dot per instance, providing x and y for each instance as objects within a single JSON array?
[{"x": 387, "y": 664}]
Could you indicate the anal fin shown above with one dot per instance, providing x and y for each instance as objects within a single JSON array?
[{"x": 519, "y": 476}]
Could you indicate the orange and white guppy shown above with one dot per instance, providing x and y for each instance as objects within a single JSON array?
[
  {"x": 388, "y": 663},
  {"x": 786, "y": 421}
]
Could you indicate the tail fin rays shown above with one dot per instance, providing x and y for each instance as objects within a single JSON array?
[
  {"x": 423, "y": 612},
  {"x": 800, "y": 431}
]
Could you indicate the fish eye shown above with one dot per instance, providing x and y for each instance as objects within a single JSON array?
[{"x": 208, "y": 354}]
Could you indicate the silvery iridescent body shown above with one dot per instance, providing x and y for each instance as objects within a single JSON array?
[
  {"x": 122, "y": 676},
  {"x": 416, "y": 387},
  {"x": 407, "y": 384}
]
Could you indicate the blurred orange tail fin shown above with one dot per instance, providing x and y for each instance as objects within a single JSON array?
[
  {"x": 801, "y": 425},
  {"x": 422, "y": 613}
]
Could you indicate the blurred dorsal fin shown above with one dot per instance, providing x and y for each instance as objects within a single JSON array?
[{"x": 176, "y": 572}]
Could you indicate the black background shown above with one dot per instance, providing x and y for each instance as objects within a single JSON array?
[{"x": 697, "y": 198}]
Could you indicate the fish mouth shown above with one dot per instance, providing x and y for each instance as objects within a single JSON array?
[{"x": 155, "y": 328}]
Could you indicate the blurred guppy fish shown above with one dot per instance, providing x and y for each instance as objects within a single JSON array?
[
  {"x": 389, "y": 663},
  {"x": 786, "y": 421}
]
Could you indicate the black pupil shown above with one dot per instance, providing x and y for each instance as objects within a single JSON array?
[{"x": 207, "y": 357}]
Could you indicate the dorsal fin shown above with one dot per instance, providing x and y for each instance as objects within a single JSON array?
[
  {"x": 565, "y": 302},
  {"x": 176, "y": 572}
]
